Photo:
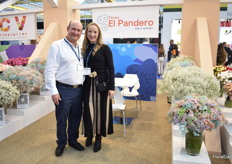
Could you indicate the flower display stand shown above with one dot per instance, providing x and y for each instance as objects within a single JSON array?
[
  {"x": 23, "y": 101},
  {"x": 226, "y": 130},
  {"x": 16, "y": 119},
  {"x": 43, "y": 91},
  {"x": 2, "y": 117},
  {"x": 179, "y": 154}
]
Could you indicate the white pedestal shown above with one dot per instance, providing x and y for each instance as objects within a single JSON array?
[
  {"x": 2, "y": 116},
  {"x": 44, "y": 91},
  {"x": 226, "y": 130},
  {"x": 180, "y": 156},
  {"x": 16, "y": 119}
]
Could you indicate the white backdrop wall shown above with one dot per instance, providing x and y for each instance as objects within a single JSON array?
[
  {"x": 225, "y": 15},
  {"x": 167, "y": 28},
  {"x": 167, "y": 24}
]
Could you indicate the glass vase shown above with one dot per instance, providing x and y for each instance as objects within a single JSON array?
[{"x": 193, "y": 143}]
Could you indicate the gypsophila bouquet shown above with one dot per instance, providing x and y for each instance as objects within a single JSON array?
[
  {"x": 38, "y": 64},
  {"x": 8, "y": 94},
  {"x": 183, "y": 81},
  {"x": 180, "y": 61},
  {"x": 197, "y": 113},
  {"x": 26, "y": 79},
  {"x": 3, "y": 67}
]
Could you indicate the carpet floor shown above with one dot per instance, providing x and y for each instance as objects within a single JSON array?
[{"x": 148, "y": 141}]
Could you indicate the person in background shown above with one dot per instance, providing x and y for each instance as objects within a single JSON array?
[
  {"x": 175, "y": 51},
  {"x": 98, "y": 115},
  {"x": 133, "y": 41},
  {"x": 64, "y": 79},
  {"x": 161, "y": 56},
  {"x": 145, "y": 41},
  {"x": 221, "y": 55},
  {"x": 171, "y": 42},
  {"x": 229, "y": 54}
]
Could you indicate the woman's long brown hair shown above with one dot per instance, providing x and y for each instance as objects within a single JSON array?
[
  {"x": 161, "y": 48},
  {"x": 221, "y": 54},
  {"x": 86, "y": 41}
]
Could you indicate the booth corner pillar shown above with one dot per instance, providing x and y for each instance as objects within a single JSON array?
[
  {"x": 56, "y": 21},
  {"x": 63, "y": 14},
  {"x": 199, "y": 39},
  {"x": 191, "y": 11}
]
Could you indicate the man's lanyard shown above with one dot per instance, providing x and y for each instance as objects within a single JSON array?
[
  {"x": 73, "y": 49},
  {"x": 87, "y": 56}
]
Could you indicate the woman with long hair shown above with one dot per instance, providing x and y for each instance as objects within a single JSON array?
[
  {"x": 161, "y": 56},
  {"x": 221, "y": 54},
  {"x": 97, "y": 114}
]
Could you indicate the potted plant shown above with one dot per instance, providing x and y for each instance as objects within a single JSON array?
[
  {"x": 194, "y": 114},
  {"x": 26, "y": 79},
  {"x": 8, "y": 94},
  {"x": 182, "y": 81}
]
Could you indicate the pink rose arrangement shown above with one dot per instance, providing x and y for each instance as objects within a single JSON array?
[{"x": 16, "y": 61}]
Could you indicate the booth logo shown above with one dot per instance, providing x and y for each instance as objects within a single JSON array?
[
  {"x": 102, "y": 20},
  {"x": 107, "y": 22},
  {"x": 4, "y": 21}
]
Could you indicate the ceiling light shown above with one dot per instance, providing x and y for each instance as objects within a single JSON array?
[{"x": 80, "y": 1}]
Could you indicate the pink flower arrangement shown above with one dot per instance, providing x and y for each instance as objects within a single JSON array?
[
  {"x": 26, "y": 79},
  {"x": 197, "y": 113},
  {"x": 16, "y": 61}
]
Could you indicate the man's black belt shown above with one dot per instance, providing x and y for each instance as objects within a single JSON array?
[{"x": 67, "y": 85}]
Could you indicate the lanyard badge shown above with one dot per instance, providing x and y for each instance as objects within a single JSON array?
[
  {"x": 77, "y": 55},
  {"x": 87, "y": 56},
  {"x": 87, "y": 70}
]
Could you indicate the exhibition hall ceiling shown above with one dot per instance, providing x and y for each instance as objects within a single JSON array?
[
  {"x": 32, "y": 4},
  {"x": 36, "y": 4}
]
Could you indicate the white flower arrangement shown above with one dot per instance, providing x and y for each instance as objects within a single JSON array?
[
  {"x": 183, "y": 81},
  {"x": 180, "y": 61},
  {"x": 8, "y": 94},
  {"x": 4, "y": 67},
  {"x": 26, "y": 79},
  {"x": 225, "y": 76}
]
